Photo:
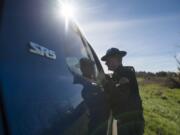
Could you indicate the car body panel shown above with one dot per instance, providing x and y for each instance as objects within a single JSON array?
[{"x": 38, "y": 87}]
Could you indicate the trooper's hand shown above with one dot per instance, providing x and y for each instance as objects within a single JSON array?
[{"x": 109, "y": 85}]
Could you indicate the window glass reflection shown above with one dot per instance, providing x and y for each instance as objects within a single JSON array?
[{"x": 93, "y": 111}]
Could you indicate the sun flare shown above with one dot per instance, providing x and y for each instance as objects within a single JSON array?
[{"x": 68, "y": 10}]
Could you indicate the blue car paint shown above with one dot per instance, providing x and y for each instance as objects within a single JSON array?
[{"x": 36, "y": 90}]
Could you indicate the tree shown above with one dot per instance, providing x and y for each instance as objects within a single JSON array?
[{"x": 178, "y": 61}]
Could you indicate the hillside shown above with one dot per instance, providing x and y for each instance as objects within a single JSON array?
[{"x": 161, "y": 108}]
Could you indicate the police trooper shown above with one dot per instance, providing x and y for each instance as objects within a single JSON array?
[{"x": 123, "y": 94}]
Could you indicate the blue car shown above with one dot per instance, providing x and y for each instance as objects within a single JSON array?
[{"x": 41, "y": 79}]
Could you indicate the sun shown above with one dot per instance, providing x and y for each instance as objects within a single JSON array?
[{"x": 68, "y": 10}]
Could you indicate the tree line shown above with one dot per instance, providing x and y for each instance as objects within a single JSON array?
[{"x": 145, "y": 74}]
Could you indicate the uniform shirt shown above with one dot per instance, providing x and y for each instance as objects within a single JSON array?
[{"x": 123, "y": 93}]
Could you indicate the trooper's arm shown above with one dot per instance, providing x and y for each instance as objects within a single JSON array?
[{"x": 109, "y": 84}]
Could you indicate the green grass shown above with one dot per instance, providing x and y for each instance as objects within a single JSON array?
[{"x": 161, "y": 109}]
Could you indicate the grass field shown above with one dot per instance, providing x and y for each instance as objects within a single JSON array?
[{"x": 161, "y": 108}]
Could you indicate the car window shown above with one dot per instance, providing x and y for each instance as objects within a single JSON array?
[
  {"x": 76, "y": 52},
  {"x": 82, "y": 65}
]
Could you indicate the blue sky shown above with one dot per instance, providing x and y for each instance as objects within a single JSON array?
[{"x": 149, "y": 30}]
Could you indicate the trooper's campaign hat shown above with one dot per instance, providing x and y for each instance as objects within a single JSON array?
[{"x": 113, "y": 52}]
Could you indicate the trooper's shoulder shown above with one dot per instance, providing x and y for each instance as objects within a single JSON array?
[{"x": 128, "y": 69}]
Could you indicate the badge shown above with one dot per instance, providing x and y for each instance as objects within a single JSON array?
[{"x": 122, "y": 81}]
